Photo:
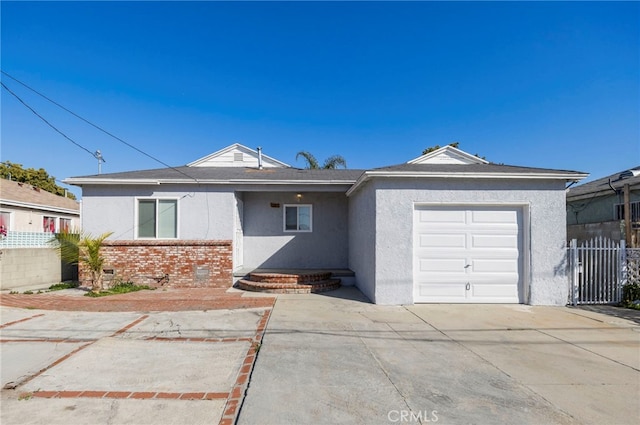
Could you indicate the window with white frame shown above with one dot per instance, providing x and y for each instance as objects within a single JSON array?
[
  {"x": 49, "y": 224},
  {"x": 298, "y": 218},
  {"x": 65, "y": 225},
  {"x": 158, "y": 218}
]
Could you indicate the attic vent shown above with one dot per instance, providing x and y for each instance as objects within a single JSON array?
[{"x": 237, "y": 157}]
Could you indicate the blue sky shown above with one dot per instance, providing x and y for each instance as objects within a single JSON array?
[{"x": 541, "y": 84}]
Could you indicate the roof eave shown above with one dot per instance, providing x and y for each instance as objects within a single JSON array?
[
  {"x": 367, "y": 175},
  {"x": 155, "y": 182},
  {"x": 83, "y": 181},
  {"x": 599, "y": 192},
  {"x": 34, "y": 206}
]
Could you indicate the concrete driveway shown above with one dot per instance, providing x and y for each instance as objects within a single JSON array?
[
  {"x": 179, "y": 367},
  {"x": 334, "y": 358},
  {"x": 327, "y": 358}
]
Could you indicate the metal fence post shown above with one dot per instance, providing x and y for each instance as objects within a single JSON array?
[
  {"x": 623, "y": 271},
  {"x": 573, "y": 271}
]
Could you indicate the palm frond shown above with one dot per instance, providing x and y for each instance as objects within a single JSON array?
[
  {"x": 312, "y": 162},
  {"x": 334, "y": 161},
  {"x": 67, "y": 245}
]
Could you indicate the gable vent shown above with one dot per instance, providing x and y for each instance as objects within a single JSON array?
[{"x": 237, "y": 157}]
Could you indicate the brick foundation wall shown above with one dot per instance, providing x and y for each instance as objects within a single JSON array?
[{"x": 176, "y": 263}]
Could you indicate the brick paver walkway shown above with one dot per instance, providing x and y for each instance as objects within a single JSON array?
[{"x": 158, "y": 300}]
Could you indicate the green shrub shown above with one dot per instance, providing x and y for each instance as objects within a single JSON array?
[
  {"x": 630, "y": 292},
  {"x": 119, "y": 287},
  {"x": 64, "y": 285}
]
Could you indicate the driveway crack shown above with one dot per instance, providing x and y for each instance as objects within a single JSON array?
[{"x": 382, "y": 368}]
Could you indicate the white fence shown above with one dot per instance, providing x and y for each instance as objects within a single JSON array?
[
  {"x": 599, "y": 268},
  {"x": 26, "y": 240}
]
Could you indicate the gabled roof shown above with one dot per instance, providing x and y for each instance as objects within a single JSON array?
[
  {"x": 237, "y": 155},
  {"x": 28, "y": 196},
  {"x": 448, "y": 155},
  {"x": 447, "y": 162},
  {"x": 601, "y": 186},
  {"x": 466, "y": 171}
]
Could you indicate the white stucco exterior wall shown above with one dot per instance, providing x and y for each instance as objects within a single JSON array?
[
  {"x": 545, "y": 281},
  {"x": 204, "y": 212},
  {"x": 267, "y": 245},
  {"x": 362, "y": 240}
]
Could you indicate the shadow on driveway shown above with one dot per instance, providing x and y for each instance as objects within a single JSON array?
[{"x": 611, "y": 310}]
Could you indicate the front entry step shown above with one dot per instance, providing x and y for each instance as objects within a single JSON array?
[{"x": 289, "y": 283}]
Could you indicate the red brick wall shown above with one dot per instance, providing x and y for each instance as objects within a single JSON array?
[{"x": 176, "y": 263}]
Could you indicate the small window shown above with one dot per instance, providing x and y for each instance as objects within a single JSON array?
[
  {"x": 49, "y": 224},
  {"x": 5, "y": 222},
  {"x": 298, "y": 218},
  {"x": 158, "y": 218},
  {"x": 618, "y": 211},
  {"x": 65, "y": 225}
]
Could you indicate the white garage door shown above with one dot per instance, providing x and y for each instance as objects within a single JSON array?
[{"x": 467, "y": 254}]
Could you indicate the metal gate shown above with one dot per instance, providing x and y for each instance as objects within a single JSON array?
[{"x": 599, "y": 268}]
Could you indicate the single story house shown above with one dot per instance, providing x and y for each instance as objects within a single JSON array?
[
  {"x": 26, "y": 208},
  {"x": 29, "y": 216},
  {"x": 596, "y": 208},
  {"x": 445, "y": 227}
]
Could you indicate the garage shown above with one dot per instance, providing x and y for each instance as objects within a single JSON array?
[{"x": 468, "y": 254}]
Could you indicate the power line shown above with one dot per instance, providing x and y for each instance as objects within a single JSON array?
[
  {"x": 45, "y": 121},
  {"x": 91, "y": 124}
]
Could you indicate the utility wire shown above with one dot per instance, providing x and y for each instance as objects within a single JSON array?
[
  {"x": 88, "y": 122},
  {"x": 46, "y": 122}
]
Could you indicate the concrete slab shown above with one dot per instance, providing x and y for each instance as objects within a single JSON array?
[
  {"x": 445, "y": 377},
  {"x": 239, "y": 323},
  {"x": 596, "y": 404},
  {"x": 71, "y": 325},
  {"x": 609, "y": 314},
  {"x": 297, "y": 383},
  {"x": 448, "y": 317},
  {"x": 321, "y": 312},
  {"x": 311, "y": 334},
  {"x": 334, "y": 359},
  {"x": 533, "y": 357},
  {"x": 489, "y": 364},
  {"x": 145, "y": 361},
  {"x": 8, "y": 315},
  {"x": 116, "y": 364},
  {"x": 21, "y": 360},
  {"x": 392, "y": 314},
  {"x": 386, "y": 334},
  {"x": 618, "y": 344},
  {"x": 84, "y": 411},
  {"x": 338, "y": 404}
]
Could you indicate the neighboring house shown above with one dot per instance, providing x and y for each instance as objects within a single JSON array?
[
  {"x": 30, "y": 216},
  {"x": 445, "y": 227},
  {"x": 597, "y": 208}
]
